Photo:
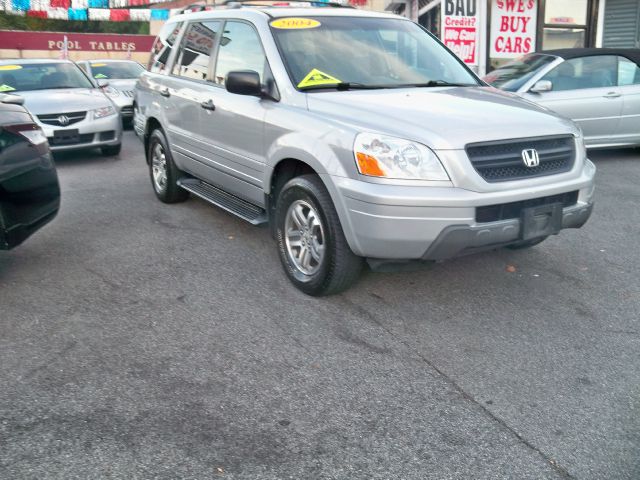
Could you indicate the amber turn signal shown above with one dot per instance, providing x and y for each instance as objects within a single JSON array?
[{"x": 368, "y": 165}]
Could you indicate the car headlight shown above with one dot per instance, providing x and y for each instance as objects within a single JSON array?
[
  {"x": 391, "y": 157},
  {"x": 104, "y": 112}
]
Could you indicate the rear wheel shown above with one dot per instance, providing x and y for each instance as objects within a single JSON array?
[
  {"x": 111, "y": 150},
  {"x": 163, "y": 172},
  {"x": 312, "y": 246}
]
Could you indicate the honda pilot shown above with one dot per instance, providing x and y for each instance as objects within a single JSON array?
[{"x": 356, "y": 136}]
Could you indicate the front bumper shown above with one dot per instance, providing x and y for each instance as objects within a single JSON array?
[
  {"x": 435, "y": 223},
  {"x": 92, "y": 133}
]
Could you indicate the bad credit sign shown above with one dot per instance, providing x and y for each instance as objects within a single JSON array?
[
  {"x": 461, "y": 28},
  {"x": 513, "y": 28}
]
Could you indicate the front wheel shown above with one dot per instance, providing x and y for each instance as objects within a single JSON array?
[
  {"x": 163, "y": 172},
  {"x": 312, "y": 246}
]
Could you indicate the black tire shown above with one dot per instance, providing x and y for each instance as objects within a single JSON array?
[
  {"x": 169, "y": 191},
  {"x": 111, "y": 150},
  {"x": 526, "y": 244},
  {"x": 338, "y": 267}
]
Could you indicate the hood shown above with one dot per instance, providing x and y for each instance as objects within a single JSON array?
[
  {"x": 41, "y": 102},
  {"x": 444, "y": 118},
  {"x": 123, "y": 83}
]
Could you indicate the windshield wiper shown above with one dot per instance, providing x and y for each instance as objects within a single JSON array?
[
  {"x": 442, "y": 83},
  {"x": 341, "y": 86}
]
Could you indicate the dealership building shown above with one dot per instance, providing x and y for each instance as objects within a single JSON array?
[{"x": 507, "y": 29}]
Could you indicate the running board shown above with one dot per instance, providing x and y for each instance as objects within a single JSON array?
[{"x": 232, "y": 204}]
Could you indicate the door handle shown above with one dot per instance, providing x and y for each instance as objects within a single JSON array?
[
  {"x": 165, "y": 92},
  {"x": 208, "y": 105},
  {"x": 612, "y": 95}
]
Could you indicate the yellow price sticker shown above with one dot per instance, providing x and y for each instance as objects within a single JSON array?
[
  {"x": 6, "y": 88},
  {"x": 98, "y": 64},
  {"x": 10, "y": 67},
  {"x": 316, "y": 77},
  {"x": 295, "y": 23}
]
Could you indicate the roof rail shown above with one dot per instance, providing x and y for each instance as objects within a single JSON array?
[{"x": 286, "y": 3}]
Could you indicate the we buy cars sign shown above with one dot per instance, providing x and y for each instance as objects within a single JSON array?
[
  {"x": 513, "y": 28},
  {"x": 461, "y": 28}
]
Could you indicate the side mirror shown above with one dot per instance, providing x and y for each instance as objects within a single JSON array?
[
  {"x": 102, "y": 83},
  {"x": 12, "y": 99},
  {"x": 542, "y": 86},
  {"x": 244, "y": 82}
]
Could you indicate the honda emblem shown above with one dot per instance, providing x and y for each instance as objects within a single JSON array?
[{"x": 530, "y": 157}]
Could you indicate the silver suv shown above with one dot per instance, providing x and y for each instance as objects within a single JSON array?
[{"x": 355, "y": 135}]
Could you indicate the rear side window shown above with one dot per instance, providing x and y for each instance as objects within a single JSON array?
[
  {"x": 195, "y": 50},
  {"x": 628, "y": 72},
  {"x": 240, "y": 49},
  {"x": 162, "y": 47}
]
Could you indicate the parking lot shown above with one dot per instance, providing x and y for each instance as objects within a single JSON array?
[{"x": 143, "y": 340}]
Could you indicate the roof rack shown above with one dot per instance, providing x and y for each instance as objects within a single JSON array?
[
  {"x": 287, "y": 3},
  {"x": 229, "y": 4}
]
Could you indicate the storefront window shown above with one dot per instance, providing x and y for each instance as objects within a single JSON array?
[
  {"x": 562, "y": 38},
  {"x": 565, "y": 24},
  {"x": 566, "y": 12}
]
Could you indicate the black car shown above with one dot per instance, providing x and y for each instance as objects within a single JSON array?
[{"x": 29, "y": 189}]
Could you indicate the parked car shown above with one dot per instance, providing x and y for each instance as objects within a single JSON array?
[
  {"x": 29, "y": 190},
  {"x": 599, "y": 88},
  {"x": 355, "y": 135},
  {"x": 73, "y": 113},
  {"x": 118, "y": 78}
]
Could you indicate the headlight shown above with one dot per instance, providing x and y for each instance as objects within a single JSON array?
[
  {"x": 103, "y": 112},
  {"x": 391, "y": 157}
]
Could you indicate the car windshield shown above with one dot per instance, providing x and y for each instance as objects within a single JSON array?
[
  {"x": 347, "y": 52},
  {"x": 515, "y": 74},
  {"x": 116, "y": 70},
  {"x": 41, "y": 76}
]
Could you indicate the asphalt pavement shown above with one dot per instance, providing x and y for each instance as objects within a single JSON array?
[{"x": 147, "y": 341}]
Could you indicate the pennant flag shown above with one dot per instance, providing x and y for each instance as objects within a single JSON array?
[
  {"x": 77, "y": 14},
  {"x": 61, "y": 3},
  {"x": 79, "y": 4},
  {"x": 159, "y": 14},
  {"x": 140, "y": 14},
  {"x": 99, "y": 14},
  {"x": 98, "y": 3},
  {"x": 37, "y": 14},
  {"x": 119, "y": 15},
  {"x": 58, "y": 13},
  {"x": 21, "y": 5}
]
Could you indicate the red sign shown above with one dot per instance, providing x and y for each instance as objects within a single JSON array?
[
  {"x": 513, "y": 28},
  {"x": 460, "y": 28},
  {"x": 92, "y": 42}
]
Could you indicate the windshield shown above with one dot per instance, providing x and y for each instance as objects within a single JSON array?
[
  {"x": 322, "y": 52},
  {"x": 515, "y": 74},
  {"x": 116, "y": 70},
  {"x": 41, "y": 76}
]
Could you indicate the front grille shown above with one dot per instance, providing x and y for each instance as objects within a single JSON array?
[
  {"x": 84, "y": 138},
  {"x": 54, "y": 118},
  {"x": 502, "y": 161},
  {"x": 506, "y": 211},
  {"x": 127, "y": 111}
]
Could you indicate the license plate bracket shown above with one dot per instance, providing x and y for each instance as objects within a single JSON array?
[
  {"x": 63, "y": 137},
  {"x": 541, "y": 221}
]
